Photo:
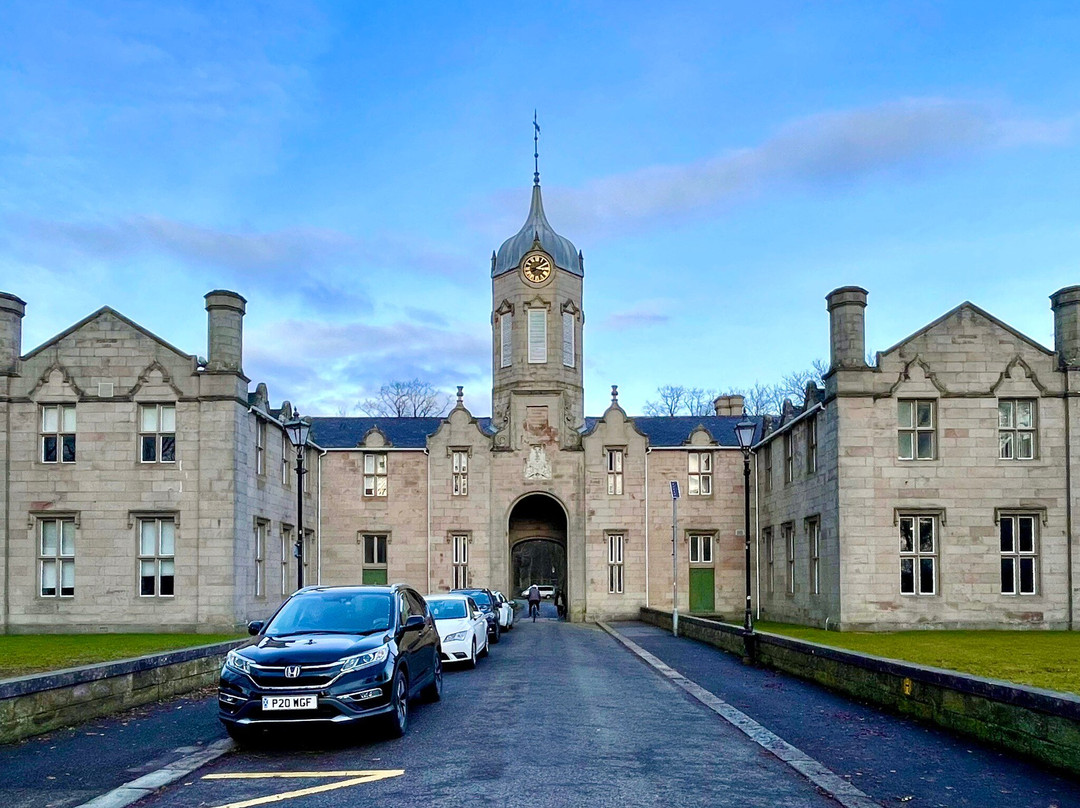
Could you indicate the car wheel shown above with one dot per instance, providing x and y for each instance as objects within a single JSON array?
[
  {"x": 497, "y": 635},
  {"x": 398, "y": 719},
  {"x": 471, "y": 661},
  {"x": 433, "y": 692}
]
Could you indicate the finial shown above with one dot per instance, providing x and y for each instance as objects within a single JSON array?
[
  {"x": 460, "y": 396},
  {"x": 536, "y": 150},
  {"x": 615, "y": 394}
]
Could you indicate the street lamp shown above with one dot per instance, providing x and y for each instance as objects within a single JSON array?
[
  {"x": 297, "y": 429},
  {"x": 744, "y": 431}
]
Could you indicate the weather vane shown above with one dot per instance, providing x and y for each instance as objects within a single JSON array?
[{"x": 536, "y": 150}]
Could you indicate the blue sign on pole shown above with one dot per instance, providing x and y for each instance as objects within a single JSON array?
[{"x": 674, "y": 489}]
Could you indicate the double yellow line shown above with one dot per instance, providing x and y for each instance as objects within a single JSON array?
[{"x": 350, "y": 778}]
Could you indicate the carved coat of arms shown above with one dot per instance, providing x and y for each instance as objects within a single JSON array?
[{"x": 537, "y": 467}]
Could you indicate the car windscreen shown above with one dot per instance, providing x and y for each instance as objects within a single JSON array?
[
  {"x": 448, "y": 609},
  {"x": 481, "y": 598},
  {"x": 334, "y": 613}
]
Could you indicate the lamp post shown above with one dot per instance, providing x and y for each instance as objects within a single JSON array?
[
  {"x": 744, "y": 431},
  {"x": 298, "y": 429}
]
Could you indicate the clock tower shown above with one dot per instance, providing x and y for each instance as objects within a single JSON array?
[{"x": 536, "y": 282}]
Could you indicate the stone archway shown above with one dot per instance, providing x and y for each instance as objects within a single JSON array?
[{"x": 536, "y": 529}]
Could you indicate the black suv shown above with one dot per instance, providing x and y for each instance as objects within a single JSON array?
[
  {"x": 333, "y": 655},
  {"x": 485, "y": 599}
]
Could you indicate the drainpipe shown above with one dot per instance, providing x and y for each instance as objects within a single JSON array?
[
  {"x": 757, "y": 542},
  {"x": 647, "y": 450},
  {"x": 318, "y": 522},
  {"x": 1068, "y": 505},
  {"x": 428, "y": 455}
]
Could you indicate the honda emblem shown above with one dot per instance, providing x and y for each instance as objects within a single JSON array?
[{"x": 292, "y": 671}]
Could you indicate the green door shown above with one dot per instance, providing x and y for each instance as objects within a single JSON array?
[
  {"x": 702, "y": 597},
  {"x": 375, "y": 576}
]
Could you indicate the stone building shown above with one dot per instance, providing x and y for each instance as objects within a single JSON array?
[
  {"x": 145, "y": 488},
  {"x": 932, "y": 489}
]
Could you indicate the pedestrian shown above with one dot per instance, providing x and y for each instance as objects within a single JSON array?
[
  {"x": 560, "y": 603},
  {"x": 534, "y": 601}
]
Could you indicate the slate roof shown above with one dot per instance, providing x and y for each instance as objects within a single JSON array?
[
  {"x": 675, "y": 430},
  {"x": 412, "y": 433},
  {"x": 403, "y": 433}
]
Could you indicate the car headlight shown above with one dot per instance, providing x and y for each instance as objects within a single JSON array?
[
  {"x": 367, "y": 658},
  {"x": 456, "y": 637},
  {"x": 237, "y": 662}
]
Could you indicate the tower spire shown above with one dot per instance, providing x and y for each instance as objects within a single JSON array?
[{"x": 536, "y": 150}]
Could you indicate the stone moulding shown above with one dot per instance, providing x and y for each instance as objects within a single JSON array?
[{"x": 1041, "y": 724}]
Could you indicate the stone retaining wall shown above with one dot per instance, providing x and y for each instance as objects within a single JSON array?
[
  {"x": 1042, "y": 724},
  {"x": 31, "y": 705}
]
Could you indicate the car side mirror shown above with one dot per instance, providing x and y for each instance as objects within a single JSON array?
[
  {"x": 415, "y": 622},
  {"x": 477, "y": 614},
  {"x": 255, "y": 626}
]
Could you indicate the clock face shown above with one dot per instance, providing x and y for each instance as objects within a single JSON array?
[{"x": 536, "y": 268}]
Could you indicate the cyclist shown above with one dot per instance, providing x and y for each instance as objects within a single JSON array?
[{"x": 534, "y": 601}]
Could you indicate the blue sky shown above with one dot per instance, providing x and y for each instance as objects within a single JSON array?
[{"x": 349, "y": 168}]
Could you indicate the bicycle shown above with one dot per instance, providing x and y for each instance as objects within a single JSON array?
[{"x": 534, "y": 610}]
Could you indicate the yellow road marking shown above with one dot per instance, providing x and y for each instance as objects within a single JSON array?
[{"x": 356, "y": 778}]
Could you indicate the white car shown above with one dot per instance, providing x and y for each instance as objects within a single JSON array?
[
  {"x": 546, "y": 592},
  {"x": 462, "y": 627},
  {"x": 506, "y": 611}
]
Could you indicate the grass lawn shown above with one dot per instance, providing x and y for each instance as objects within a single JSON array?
[
  {"x": 21, "y": 654},
  {"x": 1048, "y": 659}
]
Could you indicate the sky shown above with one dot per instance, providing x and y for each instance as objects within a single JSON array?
[{"x": 348, "y": 167}]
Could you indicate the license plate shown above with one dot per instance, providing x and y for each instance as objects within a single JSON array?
[{"x": 289, "y": 702}]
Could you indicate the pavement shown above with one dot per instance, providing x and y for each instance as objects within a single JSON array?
[
  {"x": 558, "y": 715},
  {"x": 894, "y": 760}
]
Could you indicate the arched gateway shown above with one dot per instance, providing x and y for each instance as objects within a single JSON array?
[{"x": 537, "y": 533}]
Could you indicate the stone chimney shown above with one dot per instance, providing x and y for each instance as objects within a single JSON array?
[
  {"x": 728, "y": 405},
  {"x": 1066, "y": 305},
  {"x": 12, "y": 310},
  {"x": 847, "y": 337},
  {"x": 225, "y": 331}
]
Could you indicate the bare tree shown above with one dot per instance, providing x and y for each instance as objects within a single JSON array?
[
  {"x": 406, "y": 399},
  {"x": 760, "y": 399},
  {"x": 670, "y": 401}
]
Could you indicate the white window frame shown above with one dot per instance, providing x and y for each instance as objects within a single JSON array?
[
  {"x": 910, "y": 429},
  {"x": 286, "y": 548},
  {"x": 506, "y": 339},
  {"x": 1013, "y": 435},
  {"x": 286, "y": 445},
  {"x": 261, "y": 527},
  {"x": 616, "y": 458},
  {"x": 914, "y": 553},
  {"x": 160, "y": 559},
  {"x": 813, "y": 535},
  {"x": 789, "y": 457},
  {"x": 787, "y": 532},
  {"x": 811, "y": 444},
  {"x": 537, "y": 318},
  {"x": 376, "y": 475},
  {"x": 701, "y": 549},
  {"x": 766, "y": 462},
  {"x": 379, "y": 541},
  {"x": 61, "y": 431},
  {"x": 767, "y": 536},
  {"x": 460, "y": 542},
  {"x": 616, "y": 563},
  {"x": 569, "y": 343},
  {"x": 260, "y": 446},
  {"x": 459, "y": 470},
  {"x": 59, "y": 558},
  {"x": 159, "y": 435},
  {"x": 699, "y": 468},
  {"x": 1014, "y": 557}
]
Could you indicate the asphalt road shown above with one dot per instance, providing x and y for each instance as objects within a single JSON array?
[
  {"x": 558, "y": 715},
  {"x": 896, "y": 761}
]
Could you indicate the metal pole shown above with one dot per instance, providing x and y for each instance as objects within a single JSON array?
[
  {"x": 748, "y": 621},
  {"x": 300, "y": 517},
  {"x": 674, "y": 567}
]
